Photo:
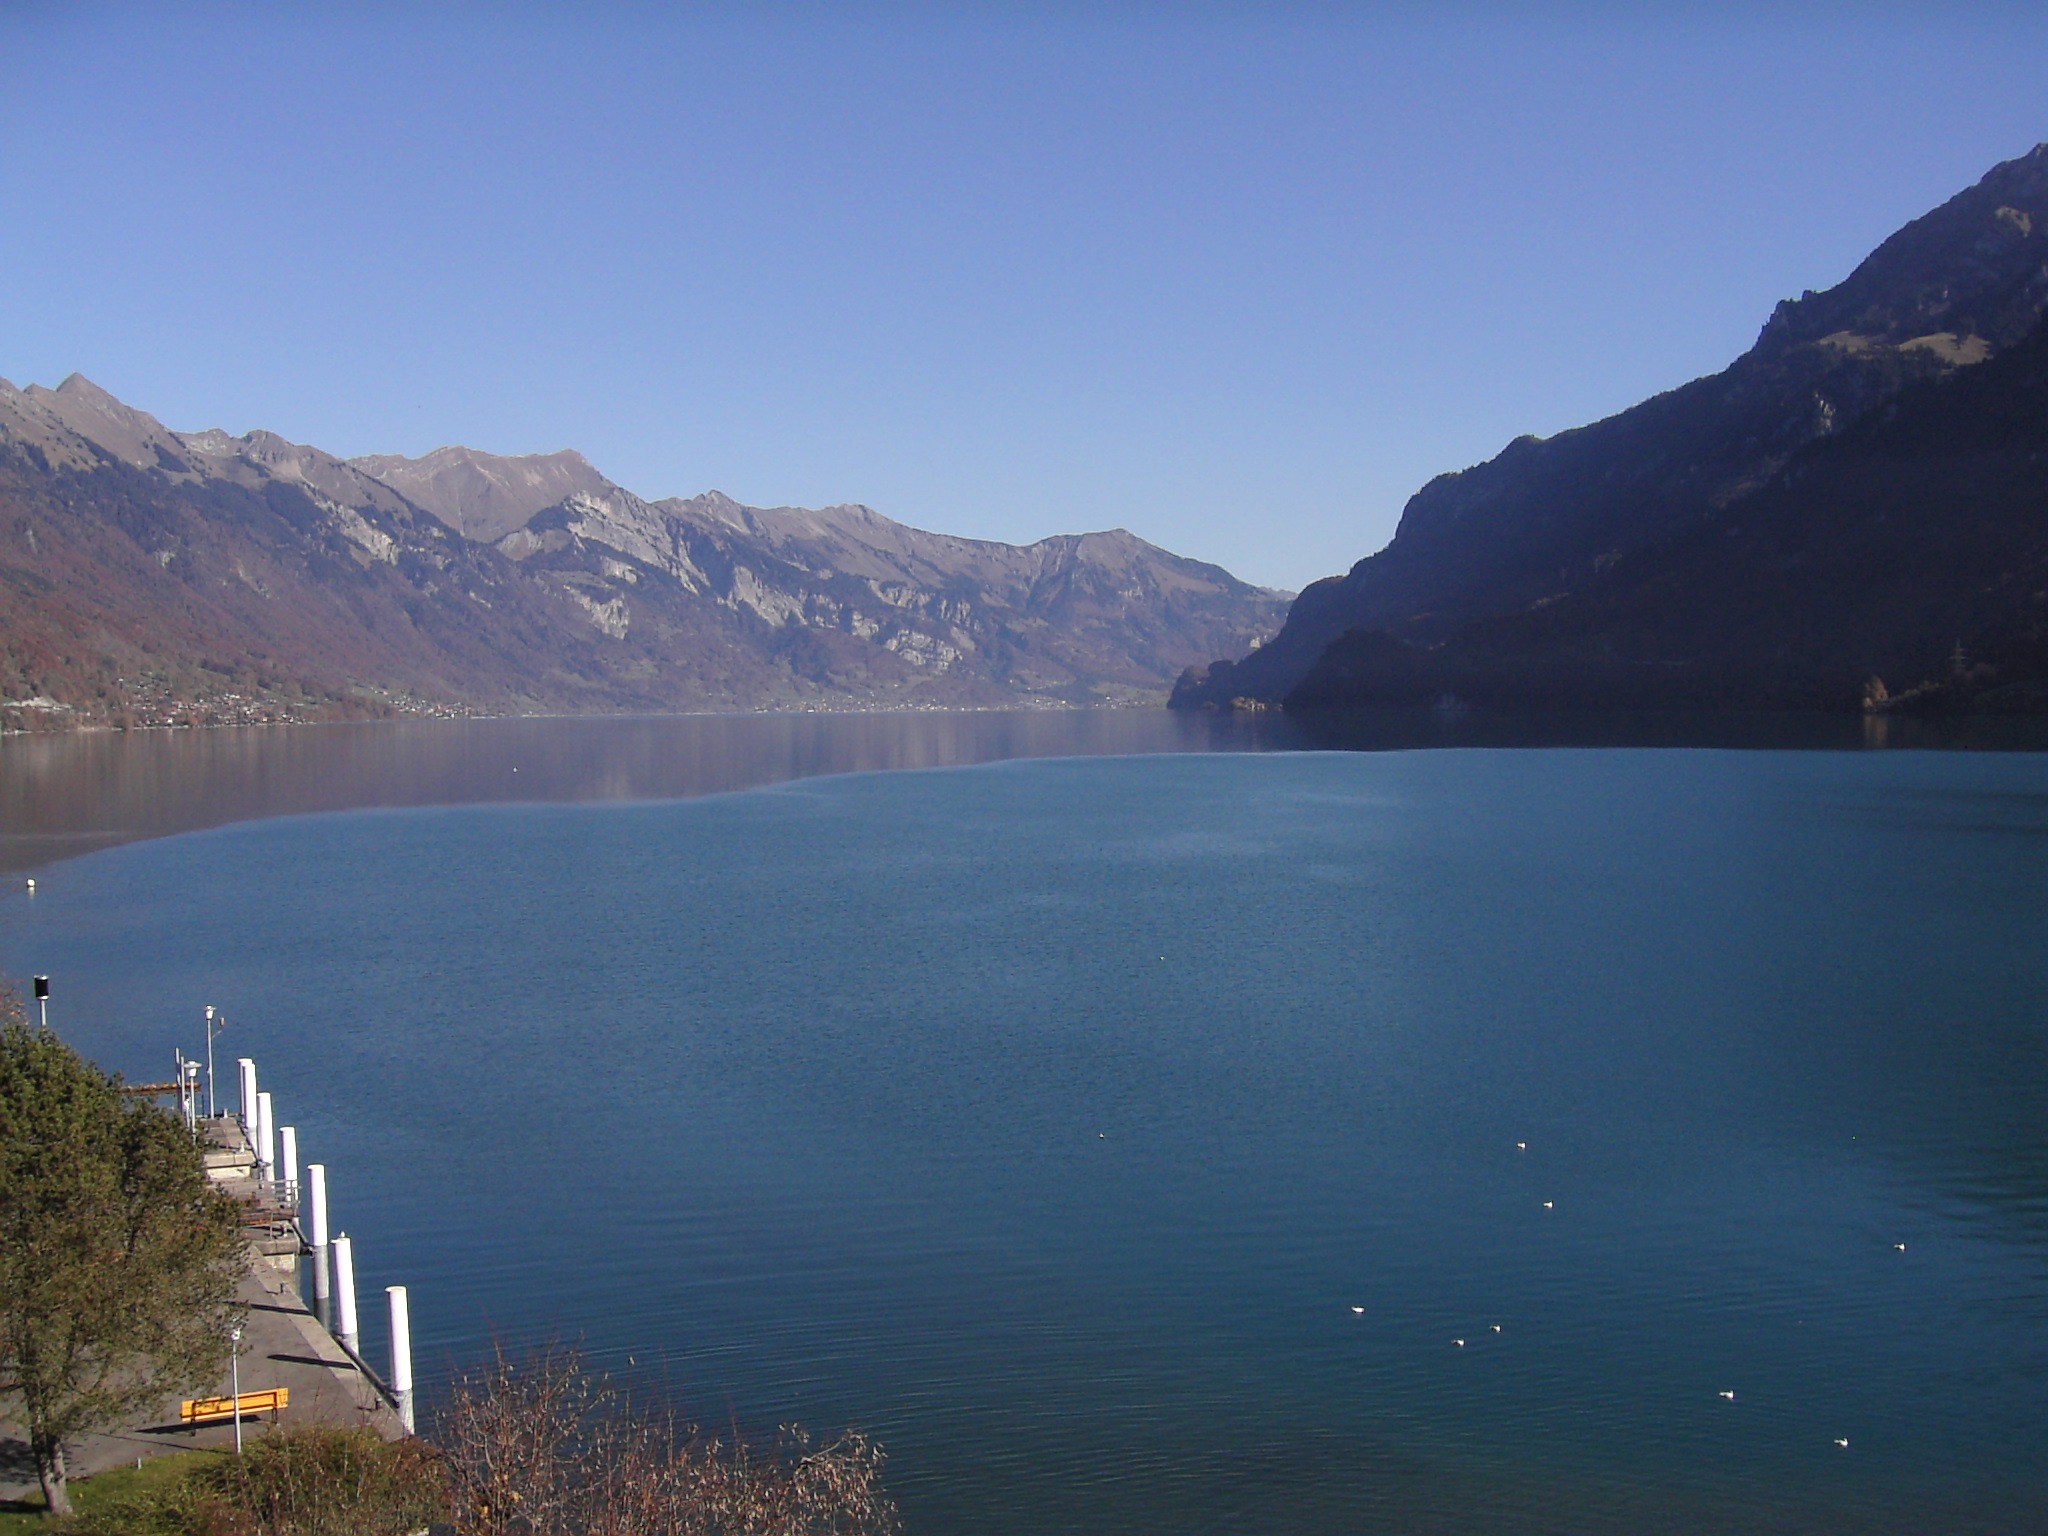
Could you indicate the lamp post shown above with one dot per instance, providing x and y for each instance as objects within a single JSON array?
[
  {"x": 211, "y": 1031},
  {"x": 188, "y": 1094},
  {"x": 235, "y": 1382},
  {"x": 42, "y": 986}
]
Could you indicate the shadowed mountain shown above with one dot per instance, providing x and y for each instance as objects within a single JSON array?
[
  {"x": 1481, "y": 557},
  {"x": 1904, "y": 559},
  {"x": 160, "y": 575}
]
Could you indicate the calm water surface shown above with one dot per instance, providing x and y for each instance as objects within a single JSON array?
[{"x": 1051, "y": 1118}]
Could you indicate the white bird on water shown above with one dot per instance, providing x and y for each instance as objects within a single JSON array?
[
  {"x": 1459, "y": 1342},
  {"x": 1729, "y": 1395},
  {"x": 1521, "y": 1146},
  {"x": 1900, "y": 1246},
  {"x": 1843, "y": 1444},
  {"x": 1550, "y": 1205},
  {"x": 1358, "y": 1311},
  {"x": 1496, "y": 1327}
]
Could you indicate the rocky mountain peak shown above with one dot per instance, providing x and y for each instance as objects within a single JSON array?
[
  {"x": 713, "y": 505},
  {"x": 485, "y": 496},
  {"x": 77, "y": 422},
  {"x": 78, "y": 386}
]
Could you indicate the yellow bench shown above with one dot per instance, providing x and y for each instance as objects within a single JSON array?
[{"x": 202, "y": 1410}]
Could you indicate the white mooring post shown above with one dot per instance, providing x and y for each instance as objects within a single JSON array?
[
  {"x": 316, "y": 1239},
  {"x": 401, "y": 1354},
  {"x": 345, "y": 1292},
  {"x": 245, "y": 1071},
  {"x": 266, "y": 1139},
  {"x": 288, "y": 1161}
]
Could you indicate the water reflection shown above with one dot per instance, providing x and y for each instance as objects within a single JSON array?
[
  {"x": 69, "y": 794},
  {"x": 65, "y": 795}
]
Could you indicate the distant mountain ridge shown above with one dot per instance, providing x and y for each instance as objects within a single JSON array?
[
  {"x": 485, "y": 496},
  {"x": 1461, "y": 600},
  {"x": 153, "y": 574}
]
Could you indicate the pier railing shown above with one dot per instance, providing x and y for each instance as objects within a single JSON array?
[{"x": 271, "y": 1206}]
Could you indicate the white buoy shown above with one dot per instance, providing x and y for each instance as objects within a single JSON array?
[
  {"x": 345, "y": 1291},
  {"x": 401, "y": 1353},
  {"x": 316, "y": 1239},
  {"x": 266, "y": 1139},
  {"x": 31, "y": 887},
  {"x": 288, "y": 1160},
  {"x": 245, "y": 1073}
]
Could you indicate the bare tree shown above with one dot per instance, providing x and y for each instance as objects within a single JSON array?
[
  {"x": 514, "y": 1435},
  {"x": 541, "y": 1448}
]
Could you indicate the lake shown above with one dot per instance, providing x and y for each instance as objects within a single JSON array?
[{"x": 1127, "y": 1125}]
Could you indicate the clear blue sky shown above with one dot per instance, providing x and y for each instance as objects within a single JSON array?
[{"x": 1237, "y": 278}]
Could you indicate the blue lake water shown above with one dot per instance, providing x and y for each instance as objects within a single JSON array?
[{"x": 1051, "y": 1119}]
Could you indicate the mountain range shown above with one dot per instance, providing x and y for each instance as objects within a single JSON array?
[
  {"x": 156, "y": 576},
  {"x": 1853, "y": 514}
]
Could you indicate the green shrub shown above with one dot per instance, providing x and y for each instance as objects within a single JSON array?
[{"x": 317, "y": 1480}]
